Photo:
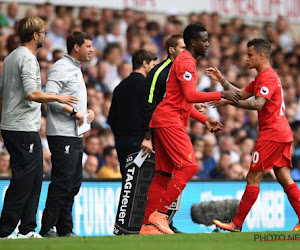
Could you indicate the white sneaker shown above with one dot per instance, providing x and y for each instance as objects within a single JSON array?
[
  {"x": 11, "y": 237},
  {"x": 29, "y": 235}
]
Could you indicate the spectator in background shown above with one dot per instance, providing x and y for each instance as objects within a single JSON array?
[
  {"x": 286, "y": 39},
  {"x": 57, "y": 34},
  {"x": 20, "y": 98},
  {"x": 12, "y": 13},
  {"x": 46, "y": 11},
  {"x": 226, "y": 143},
  {"x": 3, "y": 20},
  {"x": 124, "y": 70},
  {"x": 13, "y": 42},
  {"x": 56, "y": 55},
  {"x": 92, "y": 147},
  {"x": 196, "y": 129},
  {"x": 199, "y": 160},
  {"x": 208, "y": 160},
  {"x": 198, "y": 144},
  {"x": 235, "y": 171},
  {"x": 90, "y": 168},
  {"x": 219, "y": 172},
  {"x": 246, "y": 145},
  {"x": 251, "y": 126},
  {"x": 245, "y": 163},
  {"x": 111, "y": 169},
  {"x": 4, "y": 163},
  {"x": 108, "y": 67}
]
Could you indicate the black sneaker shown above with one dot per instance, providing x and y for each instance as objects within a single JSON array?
[
  {"x": 71, "y": 234},
  {"x": 51, "y": 234},
  {"x": 174, "y": 229}
]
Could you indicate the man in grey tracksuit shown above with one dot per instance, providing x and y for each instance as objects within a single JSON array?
[
  {"x": 65, "y": 77},
  {"x": 20, "y": 98}
]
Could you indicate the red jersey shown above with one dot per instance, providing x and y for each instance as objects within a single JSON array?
[
  {"x": 273, "y": 125},
  {"x": 177, "y": 106}
]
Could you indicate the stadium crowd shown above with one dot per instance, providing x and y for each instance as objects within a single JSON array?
[{"x": 118, "y": 34}]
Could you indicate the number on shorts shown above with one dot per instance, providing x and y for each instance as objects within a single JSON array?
[{"x": 255, "y": 157}]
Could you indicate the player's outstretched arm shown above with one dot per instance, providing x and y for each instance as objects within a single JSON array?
[
  {"x": 216, "y": 75},
  {"x": 231, "y": 95},
  {"x": 256, "y": 104}
]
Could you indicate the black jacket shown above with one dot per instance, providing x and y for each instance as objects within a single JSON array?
[
  {"x": 155, "y": 89},
  {"x": 127, "y": 107}
]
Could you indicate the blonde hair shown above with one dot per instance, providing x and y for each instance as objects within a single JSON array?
[{"x": 27, "y": 26}]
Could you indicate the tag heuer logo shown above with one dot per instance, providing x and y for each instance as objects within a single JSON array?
[
  {"x": 264, "y": 90},
  {"x": 187, "y": 76}
]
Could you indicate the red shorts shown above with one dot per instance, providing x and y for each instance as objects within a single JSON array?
[
  {"x": 173, "y": 149},
  {"x": 267, "y": 154}
]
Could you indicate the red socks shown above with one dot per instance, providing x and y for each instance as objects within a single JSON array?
[
  {"x": 249, "y": 197},
  {"x": 176, "y": 186},
  {"x": 293, "y": 193},
  {"x": 155, "y": 192}
]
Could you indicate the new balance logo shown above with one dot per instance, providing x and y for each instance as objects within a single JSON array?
[
  {"x": 31, "y": 148},
  {"x": 67, "y": 149}
]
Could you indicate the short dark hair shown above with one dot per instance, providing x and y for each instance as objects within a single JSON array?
[
  {"x": 77, "y": 38},
  {"x": 142, "y": 55},
  {"x": 107, "y": 151},
  {"x": 261, "y": 45},
  {"x": 109, "y": 48},
  {"x": 192, "y": 32},
  {"x": 172, "y": 41},
  {"x": 225, "y": 152}
]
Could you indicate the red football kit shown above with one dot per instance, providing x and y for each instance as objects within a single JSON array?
[
  {"x": 170, "y": 118},
  {"x": 275, "y": 136}
]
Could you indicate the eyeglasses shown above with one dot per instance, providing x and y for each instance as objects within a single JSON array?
[{"x": 42, "y": 32}]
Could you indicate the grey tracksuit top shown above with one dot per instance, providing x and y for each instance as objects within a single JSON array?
[
  {"x": 65, "y": 77},
  {"x": 20, "y": 78}
]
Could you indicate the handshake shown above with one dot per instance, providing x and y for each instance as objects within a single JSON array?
[{"x": 231, "y": 95}]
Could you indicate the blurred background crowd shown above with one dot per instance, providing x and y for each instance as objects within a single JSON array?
[{"x": 118, "y": 34}]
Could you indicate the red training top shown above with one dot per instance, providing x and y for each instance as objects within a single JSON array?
[
  {"x": 177, "y": 106},
  {"x": 273, "y": 125}
]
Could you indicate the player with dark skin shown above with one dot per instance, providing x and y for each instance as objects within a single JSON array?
[{"x": 173, "y": 148}]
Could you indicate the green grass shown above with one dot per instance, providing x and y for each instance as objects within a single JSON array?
[{"x": 216, "y": 241}]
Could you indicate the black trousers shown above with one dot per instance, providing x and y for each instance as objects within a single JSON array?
[
  {"x": 22, "y": 196},
  {"x": 125, "y": 145},
  {"x": 66, "y": 176}
]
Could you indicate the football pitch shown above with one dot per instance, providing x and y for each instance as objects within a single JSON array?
[{"x": 216, "y": 241}]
